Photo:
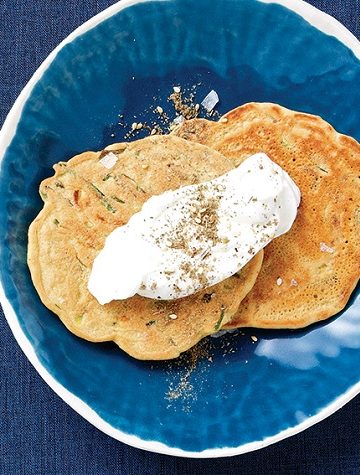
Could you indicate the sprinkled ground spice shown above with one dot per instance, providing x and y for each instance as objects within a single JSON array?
[
  {"x": 185, "y": 107},
  {"x": 181, "y": 389},
  {"x": 195, "y": 233},
  {"x": 188, "y": 375}
]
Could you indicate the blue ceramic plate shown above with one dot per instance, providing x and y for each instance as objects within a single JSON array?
[{"x": 240, "y": 394}]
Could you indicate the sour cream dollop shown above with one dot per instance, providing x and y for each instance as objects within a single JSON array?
[{"x": 185, "y": 240}]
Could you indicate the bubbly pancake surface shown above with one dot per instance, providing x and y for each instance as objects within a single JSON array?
[
  {"x": 84, "y": 202},
  {"x": 309, "y": 273}
]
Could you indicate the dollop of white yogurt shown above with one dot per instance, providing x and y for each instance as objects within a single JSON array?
[{"x": 185, "y": 240}]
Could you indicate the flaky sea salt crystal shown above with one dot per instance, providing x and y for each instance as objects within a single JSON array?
[
  {"x": 222, "y": 332},
  {"x": 109, "y": 160},
  {"x": 325, "y": 248},
  {"x": 218, "y": 334},
  {"x": 178, "y": 120},
  {"x": 210, "y": 101}
]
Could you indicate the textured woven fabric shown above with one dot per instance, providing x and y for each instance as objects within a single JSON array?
[{"x": 40, "y": 434}]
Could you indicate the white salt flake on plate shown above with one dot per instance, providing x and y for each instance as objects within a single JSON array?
[
  {"x": 294, "y": 282},
  {"x": 109, "y": 160},
  {"x": 218, "y": 334},
  {"x": 210, "y": 101},
  {"x": 179, "y": 120},
  {"x": 222, "y": 332},
  {"x": 279, "y": 281},
  {"x": 326, "y": 248}
]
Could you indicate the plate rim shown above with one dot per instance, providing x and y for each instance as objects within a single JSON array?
[{"x": 321, "y": 21}]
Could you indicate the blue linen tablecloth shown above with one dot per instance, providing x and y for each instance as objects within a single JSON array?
[{"x": 40, "y": 434}]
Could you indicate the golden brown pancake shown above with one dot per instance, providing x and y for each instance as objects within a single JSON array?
[
  {"x": 309, "y": 273},
  {"x": 84, "y": 202}
]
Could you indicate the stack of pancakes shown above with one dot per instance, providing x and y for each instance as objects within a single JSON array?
[{"x": 302, "y": 277}]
